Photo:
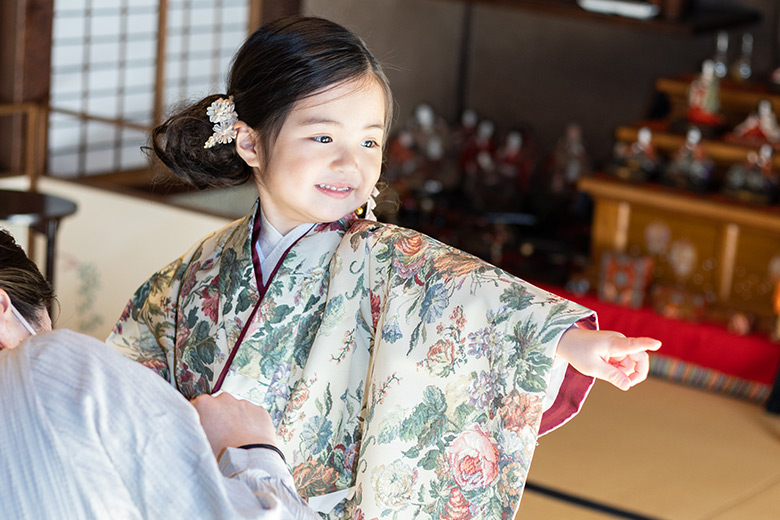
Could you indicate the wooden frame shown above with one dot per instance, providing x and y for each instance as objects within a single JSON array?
[{"x": 34, "y": 121}]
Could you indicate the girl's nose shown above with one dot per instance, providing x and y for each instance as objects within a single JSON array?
[{"x": 345, "y": 160}]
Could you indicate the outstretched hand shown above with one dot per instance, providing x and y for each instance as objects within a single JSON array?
[
  {"x": 230, "y": 422},
  {"x": 608, "y": 355}
]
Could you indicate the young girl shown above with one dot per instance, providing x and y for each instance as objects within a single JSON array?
[{"x": 404, "y": 377}]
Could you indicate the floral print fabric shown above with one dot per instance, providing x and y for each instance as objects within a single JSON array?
[{"x": 390, "y": 363}]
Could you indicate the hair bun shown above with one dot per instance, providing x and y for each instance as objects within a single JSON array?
[{"x": 179, "y": 143}]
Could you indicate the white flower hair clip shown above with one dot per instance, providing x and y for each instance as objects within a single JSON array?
[{"x": 222, "y": 113}]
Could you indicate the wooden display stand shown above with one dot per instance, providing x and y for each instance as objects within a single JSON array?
[{"x": 735, "y": 245}]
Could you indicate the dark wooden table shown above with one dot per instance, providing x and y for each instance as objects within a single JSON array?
[{"x": 42, "y": 213}]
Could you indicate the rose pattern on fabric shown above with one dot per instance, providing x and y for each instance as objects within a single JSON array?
[{"x": 473, "y": 459}]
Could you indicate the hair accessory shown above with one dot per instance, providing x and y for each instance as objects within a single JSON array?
[
  {"x": 222, "y": 113},
  {"x": 366, "y": 211}
]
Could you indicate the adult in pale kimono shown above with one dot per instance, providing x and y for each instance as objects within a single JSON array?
[
  {"x": 76, "y": 445},
  {"x": 406, "y": 379}
]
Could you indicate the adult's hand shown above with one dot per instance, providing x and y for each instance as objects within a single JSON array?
[{"x": 231, "y": 422}]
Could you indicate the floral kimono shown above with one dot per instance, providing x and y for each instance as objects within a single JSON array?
[{"x": 407, "y": 373}]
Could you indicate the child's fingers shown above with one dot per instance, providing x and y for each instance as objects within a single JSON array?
[
  {"x": 617, "y": 377},
  {"x": 629, "y": 346},
  {"x": 612, "y": 371},
  {"x": 641, "y": 368},
  {"x": 636, "y": 367}
]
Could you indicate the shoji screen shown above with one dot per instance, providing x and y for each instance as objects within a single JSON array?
[{"x": 108, "y": 85}]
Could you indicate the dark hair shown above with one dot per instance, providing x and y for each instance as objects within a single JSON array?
[
  {"x": 22, "y": 280},
  {"x": 281, "y": 63}
]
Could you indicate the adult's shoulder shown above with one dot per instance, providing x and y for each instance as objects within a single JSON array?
[{"x": 65, "y": 351}]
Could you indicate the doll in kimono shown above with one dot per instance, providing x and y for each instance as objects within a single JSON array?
[
  {"x": 704, "y": 97},
  {"x": 754, "y": 179},
  {"x": 405, "y": 378},
  {"x": 639, "y": 161},
  {"x": 691, "y": 168},
  {"x": 758, "y": 128}
]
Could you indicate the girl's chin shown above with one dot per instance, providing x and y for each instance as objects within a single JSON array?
[{"x": 336, "y": 212}]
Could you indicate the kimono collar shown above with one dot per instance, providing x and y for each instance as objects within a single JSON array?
[
  {"x": 243, "y": 239},
  {"x": 270, "y": 246}
]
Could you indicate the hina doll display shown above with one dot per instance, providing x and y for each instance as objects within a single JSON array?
[
  {"x": 638, "y": 161},
  {"x": 758, "y": 128},
  {"x": 464, "y": 132},
  {"x": 704, "y": 100},
  {"x": 430, "y": 132},
  {"x": 754, "y": 179},
  {"x": 690, "y": 167},
  {"x": 514, "y": 162},
  {"x": 569, "y": 162},
  {"x": 477, "y": 164},
  {"x": 402, "y": 159}
]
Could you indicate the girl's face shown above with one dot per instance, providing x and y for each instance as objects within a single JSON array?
[{"x": 327, "y": 157}]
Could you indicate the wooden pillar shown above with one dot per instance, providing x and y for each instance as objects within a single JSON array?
[
  {"x": 25, "y": 57},
  {"x": 728, "y": 255},
  {"x": 159, "y": 77}
]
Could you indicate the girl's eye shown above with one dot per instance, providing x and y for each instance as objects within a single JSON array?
[
  {"x": 323, "y": 139},
  {"x": 370, "y": 143}
]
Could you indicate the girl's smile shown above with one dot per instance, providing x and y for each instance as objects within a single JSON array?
[{"x": 334, "y": 191}]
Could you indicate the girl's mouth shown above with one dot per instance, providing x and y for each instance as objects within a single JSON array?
[
  {"x": 335, "y": 192},
  {"x": 329, "y": 187}
]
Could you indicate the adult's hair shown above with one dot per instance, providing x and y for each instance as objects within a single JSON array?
[
  {"x": 29, "y": 291},
  {"x": 281, "y": 63}
]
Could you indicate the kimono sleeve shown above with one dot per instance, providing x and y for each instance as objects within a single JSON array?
[
  {"x": 146, "y": 330},
  {"x": 573, "y": 390},
  {"x": 460, "y": 365}
]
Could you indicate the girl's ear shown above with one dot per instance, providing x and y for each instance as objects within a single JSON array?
[{"x": 247, "y": 144}]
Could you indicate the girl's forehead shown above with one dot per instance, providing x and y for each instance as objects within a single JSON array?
[{"x": 343, "y": 93}]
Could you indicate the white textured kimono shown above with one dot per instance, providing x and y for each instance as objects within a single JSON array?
[{"x": 86, "y": 434}]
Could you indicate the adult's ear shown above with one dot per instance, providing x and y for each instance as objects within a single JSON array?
[
  {"x": 6, "y": 320},
  {"x": 248, "y": 144},
  {"x": 5, "y": 303}
]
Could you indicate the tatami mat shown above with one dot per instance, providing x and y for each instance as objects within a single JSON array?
[{"x": 664, "y": 451}]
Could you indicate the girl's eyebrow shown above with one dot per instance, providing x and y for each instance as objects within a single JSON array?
[
  {"x": 314, "y": 120},
  {"x": 325, "y": 121}
]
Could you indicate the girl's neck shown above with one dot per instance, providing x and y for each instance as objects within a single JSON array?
[{"x": 276, "y": 230}]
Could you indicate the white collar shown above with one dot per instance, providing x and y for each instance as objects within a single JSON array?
[{"x": 271, "y": 245}]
